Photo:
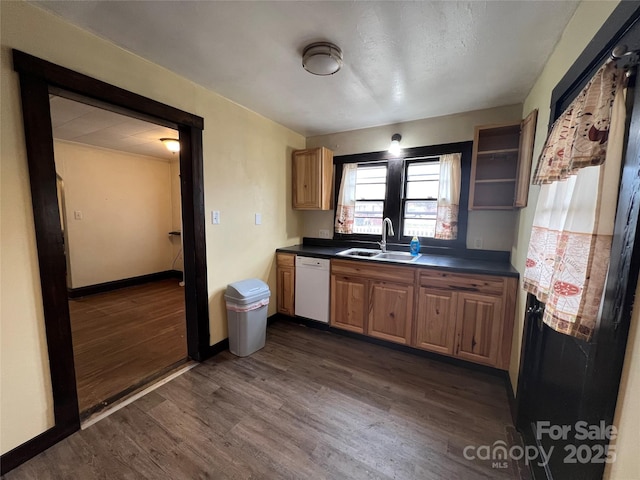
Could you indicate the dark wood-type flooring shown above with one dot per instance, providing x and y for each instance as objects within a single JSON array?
[
  {"x": 310, "y": 405},
  {"x": 124, "y": 337}
]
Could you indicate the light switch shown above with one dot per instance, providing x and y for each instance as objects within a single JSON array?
[
  {"x": 258, "y": 219},
  {"x": 77, "y": 214},
  {"x": 215, "y": 217}
]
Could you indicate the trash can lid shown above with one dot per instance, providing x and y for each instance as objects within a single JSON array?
[{"x": 247, "y": 291}]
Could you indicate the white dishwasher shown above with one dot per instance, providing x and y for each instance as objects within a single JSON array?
[{"x": 312, "y": 288}]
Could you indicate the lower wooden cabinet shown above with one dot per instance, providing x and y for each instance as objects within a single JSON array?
[
  {"x": 285, "y": 283},
  {"x": 373, "y": 299},
  {"x": 348, "y": 303},
  {"x": 461, "y": 315},
  {"x": 478, "y": 327},
  {"x": 436, "y": 321},
  {"x": 390, "y": 311}
]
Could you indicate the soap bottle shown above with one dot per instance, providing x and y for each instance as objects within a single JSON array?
[{"x": 414, "y": 246}]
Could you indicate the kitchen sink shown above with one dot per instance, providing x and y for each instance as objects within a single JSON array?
[
  {"x": 397, "y": 256},
  {"x": 360, "y": 252},
  {"x": 379, "y": 255}
]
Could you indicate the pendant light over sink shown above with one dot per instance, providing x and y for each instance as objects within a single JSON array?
[{"x": 322, "y": 58}]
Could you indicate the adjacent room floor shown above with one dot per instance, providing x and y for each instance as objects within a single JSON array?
[
  {"x": 310, "y": 405},
  {"x": 123, "y": 338}
]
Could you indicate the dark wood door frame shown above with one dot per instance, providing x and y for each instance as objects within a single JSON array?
[{"x": 37, "y": 79}]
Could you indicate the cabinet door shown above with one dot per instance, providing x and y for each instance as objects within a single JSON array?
[
  {"x": 390, "y": 311},
  {"x": 348, "y": 303},
  {"x": 527, "y": 138},
  {"x": 312, "y": 175},
  {"x": 436, "y": 321},
  {"x": 285, "y": 287},
  {"x": 479, "y": 327}
]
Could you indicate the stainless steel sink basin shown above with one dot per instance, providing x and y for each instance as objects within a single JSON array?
[
  {"x": 397, "y": 256},
  {"x": 372, "y": 254},
  {"x": 360, "y": 252}
]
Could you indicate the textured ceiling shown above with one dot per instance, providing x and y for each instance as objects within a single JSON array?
[
  {"x": 404, "y": 60},
  {"x": 76, "y": 122}
]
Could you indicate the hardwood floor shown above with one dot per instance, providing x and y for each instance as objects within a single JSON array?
[
  {"x": 124, "y": 337},
  {"x": 310, "y": 405}
]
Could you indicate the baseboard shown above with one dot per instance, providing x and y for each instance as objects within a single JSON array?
[
  {"x": 126, "y": 282},
  {"x": 394, "y": 346},
  {"x": 31, "y": 448}
]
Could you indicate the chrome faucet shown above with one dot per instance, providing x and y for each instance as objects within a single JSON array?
[{"x": 383, "y": 244}]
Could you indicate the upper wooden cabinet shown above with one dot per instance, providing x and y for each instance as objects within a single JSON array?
[
  {"x": 501, "y": 165},
  {"x": 312, "y": 175}
]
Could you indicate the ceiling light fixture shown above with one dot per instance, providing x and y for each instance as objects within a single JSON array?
[
  {"x": 394, "y": 147},
  {"x": 322, "y": 58},
  {"x": 172, "y": 144}
]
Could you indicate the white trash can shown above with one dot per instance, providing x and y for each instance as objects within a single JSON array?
[{"x": 247, "y": 303}]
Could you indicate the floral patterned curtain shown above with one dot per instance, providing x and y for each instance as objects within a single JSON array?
[
  {"x": 345, "y": 209},
  {"x": 448, "y": 197},
  {"x": 579, "y": 169}
]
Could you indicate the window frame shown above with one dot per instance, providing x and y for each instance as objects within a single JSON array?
[{"x": 394, "y": 201}]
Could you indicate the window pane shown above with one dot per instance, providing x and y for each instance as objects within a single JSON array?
[
  {"x": 369, "y": 209},
  {"x": 419, "y": 228},
  {"x": 423, "y": 171},
  {"x": 372, "y": 226},
  {"x": 420, "y": 218},
  {"x": 369, "y": 191},
  {"x": 426, "y": 189},
  {"x": 422, "y": 179},
  {"x": 371, "y": 174}
]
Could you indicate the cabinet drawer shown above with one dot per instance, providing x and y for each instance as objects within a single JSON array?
[
  {"x": 467, "y": 283},
  {"x": 285, "y": 260},
  {"x": 373, "y": 271}
]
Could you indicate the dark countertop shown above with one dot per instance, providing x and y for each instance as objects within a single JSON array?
[{"x": 443, "y": 262}]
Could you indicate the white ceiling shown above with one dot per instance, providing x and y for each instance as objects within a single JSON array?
[
  {"x": 404, "y": 60},
  {"x": 77, "y": 122}
]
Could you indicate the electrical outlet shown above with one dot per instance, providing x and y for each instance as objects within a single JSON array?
[
  {"x": 258, "y": 219},
  {"x": 477, "y": 242},
  {"x": 215, "y": 217},
  {"x": 325, "y": 233}
]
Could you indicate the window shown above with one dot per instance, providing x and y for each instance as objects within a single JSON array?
[
  {"x": 371, "y": 189},
  {"x": 421, "y": 198},
  {"x": 404, "y": 189}
]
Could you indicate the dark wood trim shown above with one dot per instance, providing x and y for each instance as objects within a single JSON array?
[
  {"x": 49, "y": 242},
  {"x": 31, "y": 448},
  {"x": 124, "y": 283},
  {"x": 394, "y": 346},
  {"x": 56, "y": 76},
  {"x": 194, "y": 245},
  {"x": 37, "y": 79}
]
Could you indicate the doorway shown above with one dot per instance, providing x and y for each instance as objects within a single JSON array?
[
  {"x": 39, "y": 79},
  {"x": 119, "y": 198}
]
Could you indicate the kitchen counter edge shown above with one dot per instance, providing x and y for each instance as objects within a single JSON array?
[{"x": 439, "y": 262}]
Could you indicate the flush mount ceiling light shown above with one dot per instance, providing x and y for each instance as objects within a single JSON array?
[
  {"x": 172, "y": 144},
  {"x": 322, "y": 58},
  {"x": 394, "y": 147}
]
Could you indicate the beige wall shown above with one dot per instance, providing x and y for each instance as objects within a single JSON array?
[
  {"x": 125, "y": 204},
  {"x": 587, "y": 19},
  {"x": 495, "y": 229},
  {"x": 246, "y": 171}
]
